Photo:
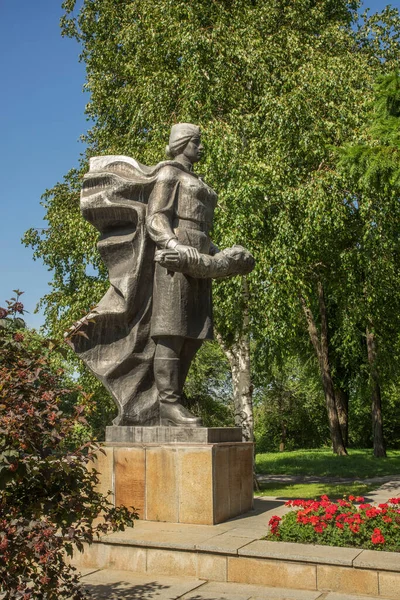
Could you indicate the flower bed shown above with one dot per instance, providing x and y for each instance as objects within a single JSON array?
[{"x": 347, "y": 522}]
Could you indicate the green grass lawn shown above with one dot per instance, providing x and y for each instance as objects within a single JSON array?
[
  {"x": 314, "y": 490},
  {"x": 358, "y": 464}
]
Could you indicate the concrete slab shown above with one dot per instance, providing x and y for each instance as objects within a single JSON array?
[
  {"x": 182, "y": 540},
  {"x": 166, "y": 526},
  {"x": 202, "y": 594},
  {"x": 336, "y": 596},
  {"x": 231, "y": 591},
  {"x": 327, "y": 555},
  {"x": 124, "y": 585},
  {"x": 224, "y": 544},
  {"x": 383, "y": 561},
  {"x": 244, "y": 532},
  {"x": 154, "y": 435},
  {"x": 107, "y": 584}
]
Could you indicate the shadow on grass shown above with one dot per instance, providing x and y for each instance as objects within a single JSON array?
[{"x": 322, "y": 462}]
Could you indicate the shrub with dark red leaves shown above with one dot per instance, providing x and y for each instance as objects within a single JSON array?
[
  {"x": 48, "y": 497},
  {"x": 347, "y": 522}
]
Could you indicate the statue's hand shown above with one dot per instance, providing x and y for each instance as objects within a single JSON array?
[
  {"x": 190, "y": 254},
  {"x": 168, "y": 257}
]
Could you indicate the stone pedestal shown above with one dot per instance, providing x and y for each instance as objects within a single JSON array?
[{"x": 201, "y": 481}]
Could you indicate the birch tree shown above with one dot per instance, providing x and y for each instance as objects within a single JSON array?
[{"x": 273, "y": 85}]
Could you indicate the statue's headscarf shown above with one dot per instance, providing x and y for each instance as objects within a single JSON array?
[{"x": 180, "y": 136}]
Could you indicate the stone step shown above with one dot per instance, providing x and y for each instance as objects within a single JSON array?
[{"x": 108, "y": 584}]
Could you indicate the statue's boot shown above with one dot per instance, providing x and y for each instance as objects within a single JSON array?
[{"x": 172, "y": 413}]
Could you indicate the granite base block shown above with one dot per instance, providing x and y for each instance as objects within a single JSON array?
[
  {"x": 192, "y": 435},
  {"x": 180, "y": 483}
]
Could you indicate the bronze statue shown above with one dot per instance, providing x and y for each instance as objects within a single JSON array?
[{"x": 154, "y": 225}]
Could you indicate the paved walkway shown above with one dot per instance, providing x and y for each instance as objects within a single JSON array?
[
  {"x": 292, "y": 479},
  {"x": 107, "y": 584}
]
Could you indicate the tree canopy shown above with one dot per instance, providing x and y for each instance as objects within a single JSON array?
[{"x": 275, "y": 87}]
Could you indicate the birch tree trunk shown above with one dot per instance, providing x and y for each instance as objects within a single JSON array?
[
  {"x": 238, "y": 355},
  {"x": 376, "y": 409},
  {"x": 321, "y": 347}
]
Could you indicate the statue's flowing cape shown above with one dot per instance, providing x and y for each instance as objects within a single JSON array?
[{"x": 114, "y": 340}]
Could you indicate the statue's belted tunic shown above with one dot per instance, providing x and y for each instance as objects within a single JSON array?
[{"x": 181, "y": 207}]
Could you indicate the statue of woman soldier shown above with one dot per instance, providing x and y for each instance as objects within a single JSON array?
[{"x": 154, "y": 225}]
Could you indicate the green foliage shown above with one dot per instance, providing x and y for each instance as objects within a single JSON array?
[
  {"x": 48, "y": 500},
  {"x": 289, "y": 412},
  {"x": 359, "y": 464},
  {"x": 374, "y": 164},
  {"x": 100, "y": 407},
  {"x": 208, "y": 388},
  {"x": 371, "y": 172},
  {"x": 340, "y": 523}
]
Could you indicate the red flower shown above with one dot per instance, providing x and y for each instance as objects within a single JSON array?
[
  {"x": 377, "y": 537},
  {"x": 394, "y": 500},
  {"x": 18, "y": 337},
  {"x": 343, "y": 503},
  {"x": 274, "y": 524},
  {"x": 387, "y": 519},
  {"x": 331, "y": 509},
  {"x": 3, "y": 313}
]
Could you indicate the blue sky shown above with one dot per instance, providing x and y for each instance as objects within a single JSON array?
[{"x": 41, "y": 118}]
